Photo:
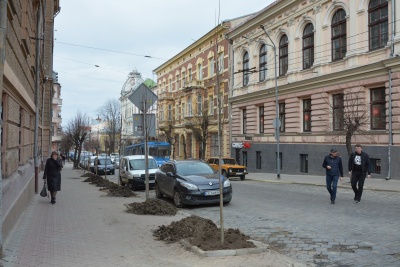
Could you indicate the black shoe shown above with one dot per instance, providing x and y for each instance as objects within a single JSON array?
[
  {"x": 53, "y": 200},
  {"x": 357, "y": 201},
  {"x": 332, "y": 201}
]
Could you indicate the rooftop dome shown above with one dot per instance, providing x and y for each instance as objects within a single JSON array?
[{"x": 132, "y": 82}]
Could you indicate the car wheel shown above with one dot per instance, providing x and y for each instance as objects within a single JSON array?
[
  {"x": 131, "y": 185},
  {"x": 224, "y": 173},
  {"x": 120, "y": 181},
  {"x": 178, "y": 199},
  {"x": 242, "y": 177},
  {"x": 158, "y": 192},
  {"x": 226, "y": 202},
  {"x": 114, "y": 172}
]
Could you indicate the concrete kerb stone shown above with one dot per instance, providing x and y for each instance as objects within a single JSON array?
[{"x": 260, "y": 247}]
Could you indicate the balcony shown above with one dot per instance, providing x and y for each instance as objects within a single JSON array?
[
  {"x": 193, "y": 84},
  {"x": 56, "y": 120},
  {"x": 165, "y": 96},
  {"x": 57, "y": 101}
]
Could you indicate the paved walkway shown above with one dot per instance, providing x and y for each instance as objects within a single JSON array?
[
  {"x": 370, "y": 183},
  {"x": 87, "y": 228}
]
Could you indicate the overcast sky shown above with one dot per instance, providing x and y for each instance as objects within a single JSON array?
[{"x": 117, "y": 35}]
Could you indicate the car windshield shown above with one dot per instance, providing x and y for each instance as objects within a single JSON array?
[
  {"x": 139, "y": 164},
  {"x": 230, "y": 161},
  {"x": 105, "y": 162},
  {"x": 191, "y": 168}
]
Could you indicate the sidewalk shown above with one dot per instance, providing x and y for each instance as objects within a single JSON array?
[
  {"x": 87, "y": 228},
  {"x": 370, "y": 183}
]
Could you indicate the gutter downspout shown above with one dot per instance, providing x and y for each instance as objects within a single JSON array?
[
  {"x": 3, "y": 33},
  {"x": 389, "y": 175},
  {"x": 37, "y": 89},
  {"x": 230, "y": 89}
]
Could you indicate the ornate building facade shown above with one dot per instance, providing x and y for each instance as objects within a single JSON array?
[{"x": 338, "y": 83}]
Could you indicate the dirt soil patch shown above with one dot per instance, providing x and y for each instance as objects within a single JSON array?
[
  {"x": 152, "y": 207},
  {"x": 202, "y": 233},
  {"x": 112, "y": 189}
]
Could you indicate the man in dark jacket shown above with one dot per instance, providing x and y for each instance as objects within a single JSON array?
[
  {"x": 359, "y": 166},
  {"x": 334, "y": 167}
]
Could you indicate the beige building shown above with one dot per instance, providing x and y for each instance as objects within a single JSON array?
[
  {"x": 188, "y": 86},
  {"x": 337, "y": 71},
  {"x": 26, "y": 68},
  {"x": 56, "y": 130}
]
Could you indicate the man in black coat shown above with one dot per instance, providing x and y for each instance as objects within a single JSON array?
[
  {"x": 334, "y": 167},
  {"x": 359, "y": 166}
]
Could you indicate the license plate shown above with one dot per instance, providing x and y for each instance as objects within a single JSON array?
[
  {"x": 212, "y": 193},
  {"x": 239, "y": 173},
  {"x": 151, "y": 181}
]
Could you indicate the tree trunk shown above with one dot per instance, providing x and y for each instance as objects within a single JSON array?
[{"x": 348, "y": 143}]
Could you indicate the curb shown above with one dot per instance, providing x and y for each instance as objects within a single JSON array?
[{"x": 260, "y": 247}]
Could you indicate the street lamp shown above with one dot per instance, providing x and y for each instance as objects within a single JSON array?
[
  {"x": 277, "y": 122},
  {"x": 98, "y": 142}
]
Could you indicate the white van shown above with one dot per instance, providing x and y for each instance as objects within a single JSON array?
[{"x": 132, "y": 171}]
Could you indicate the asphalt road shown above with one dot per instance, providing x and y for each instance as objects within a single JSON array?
[{"x": 300, "y": 222}]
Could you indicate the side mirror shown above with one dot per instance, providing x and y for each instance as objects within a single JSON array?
[{"x": 170, "y": 174}]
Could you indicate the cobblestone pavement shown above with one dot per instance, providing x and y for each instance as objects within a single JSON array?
[{"x": 299, "y": 221}]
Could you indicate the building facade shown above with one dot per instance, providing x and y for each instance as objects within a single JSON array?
[
  {"x": 337, "y": 83},
  {"x": 56, "y": 129},
  {"x": 189, "y": 87},
  {"x": 26, "y": 68}
]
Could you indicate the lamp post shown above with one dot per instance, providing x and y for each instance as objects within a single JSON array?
[
  {"x": 277, "y": 122},
  {"x": 98, "y": 142}
]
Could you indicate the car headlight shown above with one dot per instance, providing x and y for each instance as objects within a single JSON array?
[
  {"x": 229, "y": 170},
  {"x": 136, "y": 175},
  {"x": 189, "y": 186},
  {"x": 245, "y": 170},
  {"x": 227, "y": 183}
]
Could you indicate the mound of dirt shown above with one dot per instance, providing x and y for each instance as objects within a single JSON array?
[
  {"x": 202, "y": 233},
  {"x": 112, "y": 189},
  {"x": 152, "y": 206}
]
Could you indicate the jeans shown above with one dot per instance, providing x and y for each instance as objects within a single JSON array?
[
  {"x": 357, "y": 177},
  {"x": 331, "y": 185}
]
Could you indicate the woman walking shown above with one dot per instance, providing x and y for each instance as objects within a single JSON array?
[{"x": 52, "y": 172}]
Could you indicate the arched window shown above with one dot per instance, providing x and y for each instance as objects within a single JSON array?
[
  {"x": 308, "y": 46},
  {"x": 339, "y": 46},
  {"x": 263, "y": 63},
  {"x": 378, "y": 23},
  {"x": 246, "y": 73},
  {"x": 283, "y": 55}
]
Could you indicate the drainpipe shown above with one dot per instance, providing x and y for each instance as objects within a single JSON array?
[
  {"x": 37, "y": 102},
  {"x": 3, "y": 33},
  {"x": 389, "y": 176}
]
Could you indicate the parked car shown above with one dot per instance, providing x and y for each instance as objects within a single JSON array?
[
  {"x": 103, "y": 165},
  {"x": 132, "y": 171},
  {"x": 191, "y": 182},
  {"x": 91, "y": 163},
  {"x": 113, "y": 156},
  {"x": 229, "y": 167}
]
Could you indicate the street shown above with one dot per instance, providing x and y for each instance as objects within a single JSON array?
[{"x": 300, "y": 222}]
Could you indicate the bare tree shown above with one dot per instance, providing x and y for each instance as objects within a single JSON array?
[
  {"x": 65, "y": 144},
  {"x": 111, "y": 114},
  {"x": 77, "y": 130},
  {"x": 350, "y": 117}
]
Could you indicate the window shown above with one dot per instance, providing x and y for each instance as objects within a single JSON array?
[
  {"x": 244, "y": 120},
  {"x": 378, "y": 23},
  {"x": 200, "y": 72},
  {"x": 170, "y": 85},
  {"x": 375, "y": 165},
  {"x": 307, "y": 115},
  {"x": 161, "y": 113},
  {"x": 170, "y": 112},
  {"x": 190, "y": 75},
  {"x": 378, "y": 109},
  {"x": 189, "y": 106},
  {"x": 246, "y": 73},
  {"x": 258, "y": 160},
  {"x": 199, "y": 105},
  {"x": 282, "y": 116},
  {"x": 177, "y": 114},
  {"x": 308, "y": 46},
  {"x": 210, "y": 105},
  {"x": 177, "y": 82},
  {"x": 183, "y": 111},
  {"x": 338, "y": 112},
  {"x": 221, "y": 62},
  {"x": 283, "y": 55},
  {"x": 262, "y": 63},
  {"x": 261, "y": 119},
  {"x": 183, "y": 79},
  {"x": 304, "y": 163},
  {"x": 339, "y": 46},
  {"x": 211, "y": 67},
  {"x": 214, "y": 145}
]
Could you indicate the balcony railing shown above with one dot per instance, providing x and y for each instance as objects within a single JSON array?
[
  {"x": 193, "y": 84},
  {"x": 165, "y": 96}
]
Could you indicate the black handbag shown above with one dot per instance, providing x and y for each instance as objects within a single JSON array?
[{"x": 43, "y": 193}]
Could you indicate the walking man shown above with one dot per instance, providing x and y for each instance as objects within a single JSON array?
[
  {"x": 359, "y": 166},
  {"x": 334, "y": 168}
]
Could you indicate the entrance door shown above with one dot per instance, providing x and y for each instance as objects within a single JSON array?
[{"x": 237, "y": 156}]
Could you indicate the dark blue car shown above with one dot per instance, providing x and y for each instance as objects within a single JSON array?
[{"x": 191, "y": 182}]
